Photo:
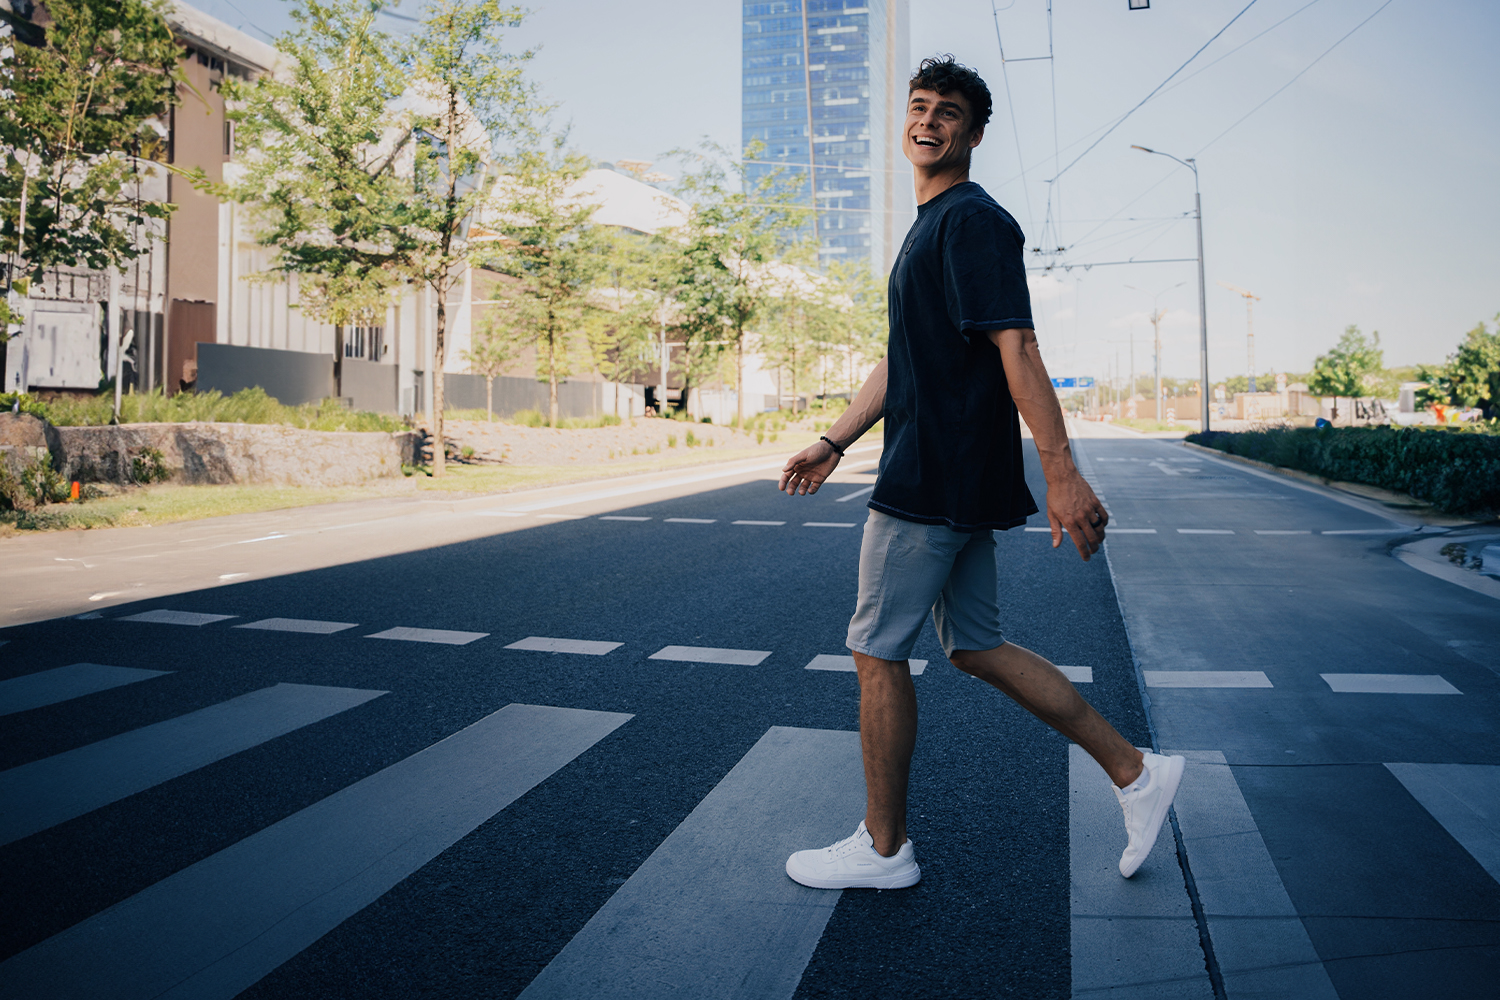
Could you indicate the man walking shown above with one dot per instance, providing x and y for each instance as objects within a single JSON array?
[{"x": 963, "y": 359}]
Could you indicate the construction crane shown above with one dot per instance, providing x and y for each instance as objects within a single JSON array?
[{"x": 1250, "y": 299}]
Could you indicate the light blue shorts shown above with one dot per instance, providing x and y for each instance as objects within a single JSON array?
[{"x": 907, "y": 570}]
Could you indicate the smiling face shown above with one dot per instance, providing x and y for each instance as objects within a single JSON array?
[{"x": 937, "y": 136}]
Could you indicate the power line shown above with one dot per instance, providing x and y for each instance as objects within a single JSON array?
[
  {"x": 1154, "y": 91},
  {"x": 1015, "y": 129},
  {"x": 1294, "y": 79}
]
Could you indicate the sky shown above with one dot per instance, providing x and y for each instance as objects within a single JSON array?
[{"x": 1363, "y": 193}]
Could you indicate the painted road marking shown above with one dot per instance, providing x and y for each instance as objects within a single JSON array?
[
  {"x": 543, "y": 644},
  {"x": 709, "y": 914},
  {"x": 1465, "y": 798},
  {"x": 711, "y": 654},
  {"x": 1078, "y": 675},
  {"x": 829, "y": 661},
  {"x": 212, "y": 930},
  {"x": 263, "y": 538},
  {"x": 48, "y": 687},
  {"x": 690, "y": 520},
  {"x": 562, "y": 517},
  {"x": 1204, "y": 531},
  {"x": 498, "y": 513},
  {"x": 622, "y": 517},
  {"x": 1303, "y": 532},
  {"x": 1389, "y": 684},
  {"x": 307, "y": 625},
  {"x": 829, "y": 524},
  {"x": 1207, "y": 679},
  {"x": 1369, "y": 531},
  {"x": 1135, "y": 939},
  {"x": 164, "y": 617},
  {"x": 857, "y": 493},
  {"x": 50, "y": 791},
  {"x": 1123, "y": 531},
  {"x": 1260, "y": 942},
  {"x": 763, "y": 524},
  {"x": 442, "y": 635}
]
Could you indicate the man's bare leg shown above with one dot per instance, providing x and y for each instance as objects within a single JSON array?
[
  {"x": 887, "y": 736},
  {"x": 1040, "y": 688}
]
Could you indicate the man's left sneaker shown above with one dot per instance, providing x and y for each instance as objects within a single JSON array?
[
  {"x": 1145, "y": 802},
  {"x": 853, "y": 863}
]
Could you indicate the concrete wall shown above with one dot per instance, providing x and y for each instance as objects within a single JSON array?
[
  {"x": 574, "y": 399},
  {"x": 205, "y": 453},
  {"x": 371, "y": 386}
]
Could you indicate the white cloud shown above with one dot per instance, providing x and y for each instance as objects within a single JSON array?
[{"x": 1045, "y": 287}]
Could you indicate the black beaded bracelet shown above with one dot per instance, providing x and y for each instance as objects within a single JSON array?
[{"x": 832, "y": 445}]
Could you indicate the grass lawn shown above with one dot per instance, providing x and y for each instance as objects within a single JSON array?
[{"x": 165, "y": 503}]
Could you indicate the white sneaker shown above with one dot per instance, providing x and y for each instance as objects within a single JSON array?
[
  {"x": 853, "y": 863},
  {"x": 1146, "y": 807}
]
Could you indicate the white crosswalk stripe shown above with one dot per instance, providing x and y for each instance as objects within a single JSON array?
[
  {"x": 49, "y": 687},
  {"x": 543, "y": 644},
  {"x": 309, "y": 626},
  {"x": 47, "y": 792},
  {"x": 711, "y": 654},
  {"x": 1389, "y": 684},
  {"x": 439, "y": 635},
  {"x": 1207, "y": 679},
  {"x": 831, "y": 661},
  {"x": 215, "y": 928},
  {"x": 166, "y": 617}
]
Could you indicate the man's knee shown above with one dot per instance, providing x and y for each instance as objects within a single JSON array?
[
  {"x": 975, "y": 662},
  {"x": 873, "y": 668}
]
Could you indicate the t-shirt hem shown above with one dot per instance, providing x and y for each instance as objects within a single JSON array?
[
  {"x": 907, "y": 515},
  {"x": 1014, "y": 323}
]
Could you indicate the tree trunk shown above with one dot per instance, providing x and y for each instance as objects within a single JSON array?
[
  {"x": 551, "y": 379},
  {"x": 489, "y": 398},
  {"x": 739, "y": 380},
  {"x": 439, "y": 349}
]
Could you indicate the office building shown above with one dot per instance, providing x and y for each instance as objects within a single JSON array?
[{"x": 824, "y": 89}]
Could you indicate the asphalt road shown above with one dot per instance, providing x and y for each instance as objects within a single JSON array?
[{"x": 326, "y": 805}]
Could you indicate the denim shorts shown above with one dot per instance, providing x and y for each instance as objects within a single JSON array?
[{"x": 908, "y": 569}]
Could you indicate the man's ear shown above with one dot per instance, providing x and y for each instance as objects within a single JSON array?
[{"x": 977, "y": 137}]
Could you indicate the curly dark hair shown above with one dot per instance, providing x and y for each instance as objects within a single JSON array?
[{"x": 944, "y": 75}]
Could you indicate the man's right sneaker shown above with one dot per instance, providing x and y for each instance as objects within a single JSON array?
[
  {"x": 1146, "y": 807},
  {"x": 853, "y": 863}
]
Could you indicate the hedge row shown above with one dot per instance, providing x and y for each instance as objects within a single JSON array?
[{"x": 1456, "y": 472}]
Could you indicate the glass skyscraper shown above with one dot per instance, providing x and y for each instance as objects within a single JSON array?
[{"x": 825, "y": 90}]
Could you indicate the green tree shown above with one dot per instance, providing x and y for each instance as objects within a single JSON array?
[
  {"x": 1471, "y": 376},
  {"x": 853, "y": 315},
  {"x": 84, "y": 88},
  {"x": 628, "y": 309},
  {"x": 553, "y": 249},
  {"x": 736, "y": 231},
  {"x": 319, "y": 169},
  {"x": 499, "y": 335},
  {"x": 1348, "y": 369}
]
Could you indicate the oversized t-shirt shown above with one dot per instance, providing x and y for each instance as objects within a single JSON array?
[{"x": 952, "y": 435}]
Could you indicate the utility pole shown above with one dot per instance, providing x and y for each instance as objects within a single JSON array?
[
  {"x": 812, "y": 163},
  {"x": 1156, "y": 318},
  {"x": 1250, "y": 299}
]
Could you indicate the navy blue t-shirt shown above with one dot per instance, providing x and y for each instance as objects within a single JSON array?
[{"x": 952, "y": 435}]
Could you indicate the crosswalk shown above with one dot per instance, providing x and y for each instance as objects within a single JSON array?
[{"x": 708, "y": 911}]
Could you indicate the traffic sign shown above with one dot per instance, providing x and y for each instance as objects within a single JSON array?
[{"x": 1080, "y": 382}]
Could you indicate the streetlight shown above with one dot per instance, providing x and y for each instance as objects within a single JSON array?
[
  {"x": 1156, "y": 318},
  {"x": 1192, "y": 165}
]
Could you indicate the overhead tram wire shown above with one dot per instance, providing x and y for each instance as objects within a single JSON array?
[
  {"x": 1154, "y": 91},
  {"x": 1294, "y": 79},
  {"x": 1010, "y": 102}
]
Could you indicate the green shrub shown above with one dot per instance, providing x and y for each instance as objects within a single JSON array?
[
  {"x": 149, "y": 466},
  {"x": 692, "y": 442},
  {"x": 248, "y": 406},
  {"x": 1457, "y": 471},
  {"x": 529, "y": 418},
  {"x": 35, "y": 484}
]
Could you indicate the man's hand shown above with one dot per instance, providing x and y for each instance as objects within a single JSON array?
[
  {"x": 807, "y": 470},
  {"x": 1073, "y": 507}
]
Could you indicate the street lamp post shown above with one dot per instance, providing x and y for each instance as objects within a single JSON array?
[{"x": 1192, "y": 165}]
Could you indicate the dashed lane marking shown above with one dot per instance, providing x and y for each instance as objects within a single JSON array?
[
  {"x": 711, "y": 654},
  {"x": 1282, "y": 532},
  {"x": 212, "y": 930},
  {"x": 762, "y": 524},
  {"x": 708, "y": 914},
  {"x": 48, "y": 687},
  {"x": 1124, "y": 531},
  {"x": 1204, "y": 531},
  {"x": 307, "y": 625},
  {"x": 691, "y": 520},
  {"x": 262, "y": 538},
  {"x": 1389, "y": 684},
  {"x": 829, "y": 524},
  {"x": 857, "y": 493},
  {"x": 1369, "y": 531},
  {"x": 440, "y": 635},
  {"x": 1207, "y": 679},
  {"x": 562, "y": 517},
  {"x": 165, "y": 617},
  {"x": 544, "y": 644},
  {"x": 622, "y": 517},
  {"x": 44, "y": 793},
  {"x": 1078, "y": 675},
  {"x": 830, "y": 661}
]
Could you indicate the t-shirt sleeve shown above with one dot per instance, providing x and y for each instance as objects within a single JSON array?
[{"x": 985, "y": 273}]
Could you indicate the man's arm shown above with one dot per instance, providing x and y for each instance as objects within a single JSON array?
[
  {"x": 807, "y": 469},
  {"x": 1071, "y": 503}
]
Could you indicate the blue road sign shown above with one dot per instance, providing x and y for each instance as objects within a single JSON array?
[{"x": 1082, "y": 382}]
